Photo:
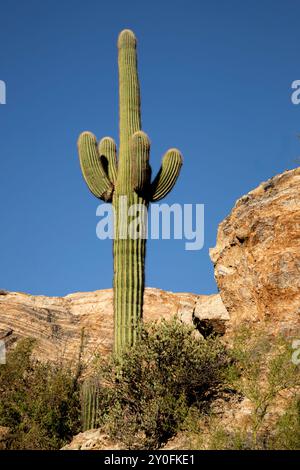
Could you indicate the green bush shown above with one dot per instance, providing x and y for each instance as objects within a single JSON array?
[
  {"x": 287, "y": 432},
  {"x": 261, "y": 371},
  {"x": 39, "y": 402},
  {"x": 168, "y": 382},
  {"x": 283, "y": 434},
  {"x": 145, "y": 395}
]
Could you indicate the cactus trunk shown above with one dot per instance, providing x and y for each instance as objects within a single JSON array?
[
  {"x": 90, "y": 393},
  {"x": 127, "y": 182},
  {"x": 129, "y": 254},
  {"x": 129, "y": 280}
]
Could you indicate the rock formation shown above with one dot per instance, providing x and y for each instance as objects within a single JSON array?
[
  {"x": 57, "y": 323},
  {"x": 94, "y": 439},
  {"x": 257, "y": 255},
  {"x": 5, "y": 434}
]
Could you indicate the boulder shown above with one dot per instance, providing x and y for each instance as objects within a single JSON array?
[
  {"x": 93, "y": 439},
  {"x": 257, "y": 255}
]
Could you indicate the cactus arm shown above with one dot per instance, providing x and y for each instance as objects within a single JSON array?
[
  {"x": 108, "y": 156},
  {"x": 140, "y": 168},
  {"x": 92, "y": 168},
  {"x": 167, "y": 175}
]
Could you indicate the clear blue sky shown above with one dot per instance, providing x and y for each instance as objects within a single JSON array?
[{"x": 215, "y": 79}]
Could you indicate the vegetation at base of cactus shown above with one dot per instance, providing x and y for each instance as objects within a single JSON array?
[
  {"x": 146, "y": 393},
  {"x": 109, "y": 179}
]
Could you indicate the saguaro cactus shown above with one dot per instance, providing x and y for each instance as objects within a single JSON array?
[
  {"x": 90, "y": 392},
  {"x": 130, "y": 176}
]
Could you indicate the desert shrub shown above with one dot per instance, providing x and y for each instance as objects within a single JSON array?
[
  {"x": 145, "y": 394},
  {"x": 261, "y": 371},
  {"x": 283, "y": 434},
  {"x": 287, "y": 431},
  {"x": 39, "y": 402}
]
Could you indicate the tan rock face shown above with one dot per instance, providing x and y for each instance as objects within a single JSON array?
[
  {"x": 257, "y": 255},
  {"x": 4, "y": 436},
  {"x": 94, "y": 439},
  {"x": 58, "y": 322}
]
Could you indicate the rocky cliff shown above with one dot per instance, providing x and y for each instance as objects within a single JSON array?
[
  {"x": 57, "y": 323},
  {"x": 257, "y": 255}
]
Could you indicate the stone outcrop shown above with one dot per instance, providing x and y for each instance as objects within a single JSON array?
[
  {"x": 257, "y": 255},
  {"x": 5, "y": 434},
  {"x": 59, "y": 323},
  {"x": 94, "y": 439}
]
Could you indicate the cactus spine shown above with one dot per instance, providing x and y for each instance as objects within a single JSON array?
[{"x": 130, "y": 176}]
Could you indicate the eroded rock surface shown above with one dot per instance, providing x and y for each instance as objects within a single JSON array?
[
  {"x": 58, "y": 322},
  {"x": 257, "y": 255}
]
